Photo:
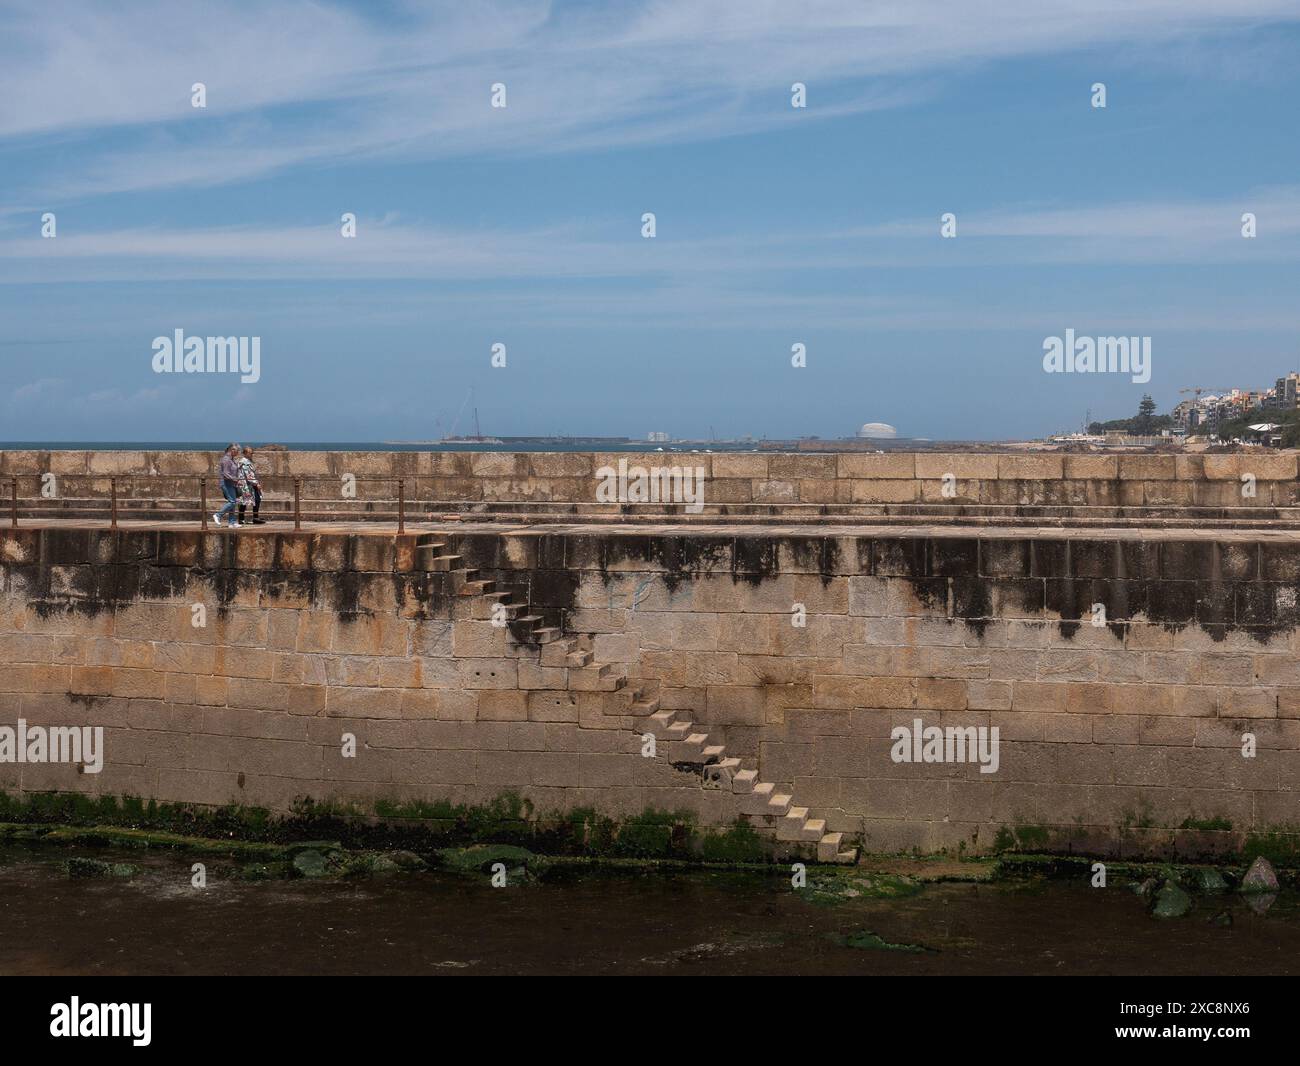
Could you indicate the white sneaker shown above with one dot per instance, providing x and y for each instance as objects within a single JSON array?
[
  {"x": 217, "y": 518},
  {"x": 234, "y": 525}
]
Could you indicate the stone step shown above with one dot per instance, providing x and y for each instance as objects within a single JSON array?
[
  {"x": 714, "y": 753},
  {"x": 755, "y": 802},
  {"x": 425, "y": 555},
  {"x": 547, "y": 634},
  {"x": 443, "y": 563},
  {"x": 496, "y": 605},
  {"x": 829, "y": 846},
  {"x": 475, "y": 587},
  {"x": 576, "y": 660},
  {"x": 792, "y": 822},
  {"x": 779, "y": 804},
  {"x": 719, "y": 774},
  {"x": 691, "y": 749},
  {"x": 743, "y": 782},
  {"x": 604, "y": 679},
  {"x": 557, "y": 652},
  {"x": 680, "y": 730},
  {"x": 814, "y": 829},
  {"x": 659, "y": 724},
  {"x": 644, "y": 707}
]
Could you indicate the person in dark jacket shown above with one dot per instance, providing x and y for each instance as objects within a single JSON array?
[{"x": 230, "y": 478}]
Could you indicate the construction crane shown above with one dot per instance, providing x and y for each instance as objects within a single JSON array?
[
  {"x": 469, "y": 395},
  {"x": 1198, "y": 389}
]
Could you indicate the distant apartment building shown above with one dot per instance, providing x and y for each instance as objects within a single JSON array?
[
  {"x": 1188, "y": 414},
  {"x": 1285, "y": 395},
  {"x": 1209, "y": 411},
  {"x": 1236, "y": 403}
]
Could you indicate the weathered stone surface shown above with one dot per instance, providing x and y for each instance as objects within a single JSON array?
[
  {"x": 311, "y": 863},
  {"x": 796, "y": 648},
  {"x": 1171, "y": 902},
  {"x": 1260, "y": 877}
]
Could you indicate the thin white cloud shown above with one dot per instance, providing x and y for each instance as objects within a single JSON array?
[
  {"x": 307, "y": 82},
  {"x": 1157, "y": 232},
  {"x": 59, "y": 398}
]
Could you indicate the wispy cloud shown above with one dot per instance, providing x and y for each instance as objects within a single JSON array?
[
  {"x": 62, "y": 400},
  {"x": 305, "y": 82},
  {"x": 1154, "y": 232}
]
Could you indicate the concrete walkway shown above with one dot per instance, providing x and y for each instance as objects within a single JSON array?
[{"x": 826, "y": 528}]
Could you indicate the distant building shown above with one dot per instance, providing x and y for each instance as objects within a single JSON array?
[
  {"x": 1266, "y": 433},
  {"x": 657, "y": 438},
  {"x": 1187, "y": 414},
  {"x": 1210, "y": 411},
  {"x": 1285, "y": 394},
  {"x": 877, "y": 431}
]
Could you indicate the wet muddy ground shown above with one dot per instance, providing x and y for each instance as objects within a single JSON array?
[{"x": 625, "y": 921}]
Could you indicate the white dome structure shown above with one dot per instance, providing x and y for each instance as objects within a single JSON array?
[{"x": 877, "y": 431}]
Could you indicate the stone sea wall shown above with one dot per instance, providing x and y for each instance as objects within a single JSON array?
[
  {"x": 1123, "y": 672},
  {"x": 732, "y": 479}
]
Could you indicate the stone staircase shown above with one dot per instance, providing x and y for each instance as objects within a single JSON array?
[
  {"x": 762, "y": 803},
  {"x": 487, "y": 601}
]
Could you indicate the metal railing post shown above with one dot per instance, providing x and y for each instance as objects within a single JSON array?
[
  {"x": 112, "y": 487},
  {"x": 13, "y": 513},
  {"x": 203, "y": 503},
  {"x": 401, "y": 505},
  {"x": 297, "y": 503}
]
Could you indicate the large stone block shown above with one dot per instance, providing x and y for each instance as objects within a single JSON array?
[
  {"x": 739, "y": 465},
  {"x": 1147, "y": 467},
  {"x": 968, "y": 467},
  {"x": 117, "y": 463},
  {"x": 876, "y": 467},
  {"x": 1091, "y": 467},
  {"x": 883, "y": 491},
  {"x": 1038, "y": 467}
]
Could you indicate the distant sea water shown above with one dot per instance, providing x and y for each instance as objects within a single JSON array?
[
  {"x": 506, "y": 445},
  {"x": 376, "y": 446}
]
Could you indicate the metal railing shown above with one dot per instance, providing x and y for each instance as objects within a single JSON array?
[
  {"x": 110, "y": 502},
  {"x": 167, "y": 497}
]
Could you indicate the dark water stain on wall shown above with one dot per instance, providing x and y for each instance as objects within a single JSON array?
[
  {"x": 1219, "y": 586},
  {"x": 754, "y": 560}
]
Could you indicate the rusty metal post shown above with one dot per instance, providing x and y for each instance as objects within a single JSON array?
[
  {"x": 203, "y": 503},
  {"x": 112, "y": 488},
  {"x": 13, "y": 513},
  {"x": 401, "y": 505},
  {"x": 297, "y": 503}
]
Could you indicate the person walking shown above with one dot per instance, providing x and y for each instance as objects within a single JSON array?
[
  {"x": 250, "y": 488},
  {"x": 229, "y": 485}
]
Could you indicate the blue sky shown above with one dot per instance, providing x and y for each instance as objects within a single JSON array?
[{"x": 522, "y": 225}]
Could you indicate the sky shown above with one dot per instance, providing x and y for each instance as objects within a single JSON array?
[{"x": 522, "y": 225}]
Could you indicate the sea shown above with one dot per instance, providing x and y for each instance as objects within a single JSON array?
[{"x": 508, "y": 444}]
